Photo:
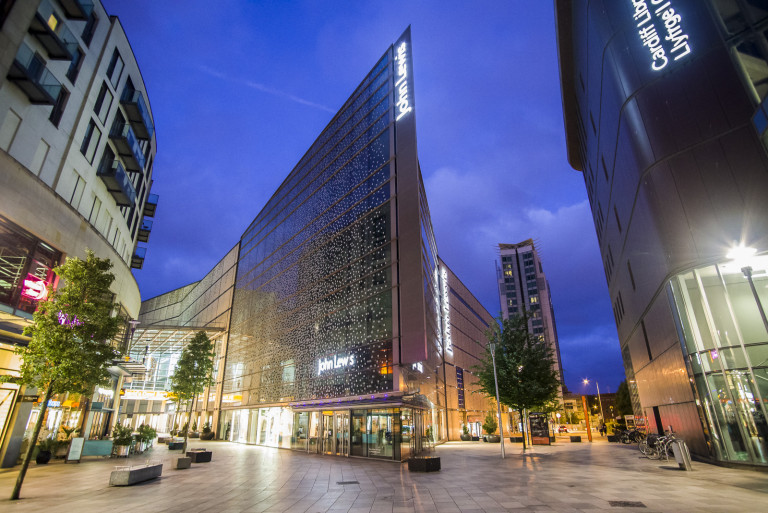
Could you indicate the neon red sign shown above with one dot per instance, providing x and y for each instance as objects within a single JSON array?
[{"x": 34, "y": 288}]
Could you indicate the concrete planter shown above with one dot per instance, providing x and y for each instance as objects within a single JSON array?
[
  {"x": 466, "y": 437},
  {"x": 132, "y": 475},
  {"x": 424, "y": 464},
  {"x": 200, "y": 455},
  {"x": 121, "y": 451},
  {"x": 182, "y": 462},
  {"x": 493, "y": 439}
]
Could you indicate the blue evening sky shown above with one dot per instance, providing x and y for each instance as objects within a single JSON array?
[{"x": 240, "y": 89}]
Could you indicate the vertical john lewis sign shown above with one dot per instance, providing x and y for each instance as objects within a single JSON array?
[{"x": 403, "y": 82}]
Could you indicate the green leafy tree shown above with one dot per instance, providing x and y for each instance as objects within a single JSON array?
[
  {"x": 194, "y": 372},
  {"x": 69, "y": 348},
  {"x": 524, "y": 365},
  {"x": 623, "y": 402}
]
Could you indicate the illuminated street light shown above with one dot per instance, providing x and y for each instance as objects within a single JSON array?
[
  {"x": 492, "y": 347},
  {"x": 586, "y": 382},
  {"x": 741, "y": 256}
]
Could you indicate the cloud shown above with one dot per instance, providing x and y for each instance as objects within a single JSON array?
[{"x": 265, "y": 89}]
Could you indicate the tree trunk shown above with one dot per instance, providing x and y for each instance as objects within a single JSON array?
[
  {"x": 522, "y": 425},
  {"x": 189, "y": 420},
  {"x": 32, "y": 444}
]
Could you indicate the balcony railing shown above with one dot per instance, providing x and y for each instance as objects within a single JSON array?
[
  {"x": 77, "y": 9},
  {"x": 138, "y": 113},
  {"x": 144, "y": 230},
  {"x": 127, "y": 146},
  {"x": 151, "y": 205},
  {"x": 117, "y": 182},
  {"x": 54, "y": 35},
  {"x": 28, "y": 71},
  {"x": 137, "y": 260}
]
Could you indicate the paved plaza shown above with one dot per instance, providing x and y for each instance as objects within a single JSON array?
[{"x": 564, "y": 477}]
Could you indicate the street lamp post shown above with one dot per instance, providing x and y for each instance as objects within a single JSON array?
[
  {"x": 586, "y": 382},
  {"x": 492, "y": 347}
]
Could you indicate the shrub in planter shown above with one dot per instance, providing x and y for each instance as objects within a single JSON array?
[
  {"x": 207, "y": 434},
  {"x": 47, "y": 446},
  {"x": 490, "y": 425},
  {"x": 465, "y": 436},
  {"x": 121, "y": 439}
]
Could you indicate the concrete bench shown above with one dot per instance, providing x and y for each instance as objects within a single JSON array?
[
  {"x": 182, "y": 462},
  {"x": 575, "y": 438},
  {"x": 199, "y": 455},
  {"x": 127, "y": 476}
]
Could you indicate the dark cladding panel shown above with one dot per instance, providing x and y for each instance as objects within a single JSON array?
[{"x": 413, "y": 339}]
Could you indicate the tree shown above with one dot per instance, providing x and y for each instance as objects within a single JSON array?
[
  {"x": 524, "y": 364},
  {"x": 69, "y": 348},
  {"x": 194, "y": 371},
  {"x": 623, "y": 401},
  {"x": 490, "y": 425}
]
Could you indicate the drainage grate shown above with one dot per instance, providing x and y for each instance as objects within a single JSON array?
[
  {"x": 347, "y": 482},
  {"x": 626, "y": 504}
]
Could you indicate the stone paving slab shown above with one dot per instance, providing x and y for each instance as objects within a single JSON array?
[{"x": 564, "y": 477}]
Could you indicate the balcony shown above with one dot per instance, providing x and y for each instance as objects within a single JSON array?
[
  {"x": 117, "y": 182},
  {"x": 151, "y": 205},
  {"x": 138, "y": 113},
  {"x": 54, "y": 35},
  {"x": 28, "y": 71},
  {"x": 127, "y": 146},
  {"x": 137, "y": 260},
  {"x": 77, "y": 9},
  {"x": 144, "y": 230}
]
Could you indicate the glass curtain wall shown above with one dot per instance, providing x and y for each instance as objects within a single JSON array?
[
  {"x": 312, "y": 312},
  {"x": 722, "y": 324}
]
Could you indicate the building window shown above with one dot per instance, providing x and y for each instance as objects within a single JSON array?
[
  {"x": 631, "y": 275},
  {"x": 616, "y": 213},
  {"x": 58, "y": 107},
  {"x": 74, "y": 66},
  {"x": 77, "y": 192},
  {"x": 95, "y": 208},
  {"x": 90, "y": 29},
  {"x": 103, "y": 103},
  {"x": 90, "y": 141},
  {"x": 115, "y": 69}
]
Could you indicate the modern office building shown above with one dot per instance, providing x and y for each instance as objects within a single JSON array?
[
  {"x": 347, "y": 334},
  {"x": 524, "y": 290},
  {"x": 77, "y": 147},
  {"x": 665, "y": 116}
]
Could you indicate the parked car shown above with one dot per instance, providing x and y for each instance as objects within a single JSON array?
[{"x": 562, "y": 429}]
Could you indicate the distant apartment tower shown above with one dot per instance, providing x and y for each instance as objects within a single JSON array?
[
  {"x": 523, "y": 287},
  {"x": 77, "y": 146}
]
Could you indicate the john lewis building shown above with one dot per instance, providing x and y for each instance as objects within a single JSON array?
[
  {"x": 665, "y": 116},
  {"x": 347, "y": 334}
]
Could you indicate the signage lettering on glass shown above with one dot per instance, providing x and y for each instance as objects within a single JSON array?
[
  {"x": 334, "y": 362},
  {"x": 670, "y": 35}
]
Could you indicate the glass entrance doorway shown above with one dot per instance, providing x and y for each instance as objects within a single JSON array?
[{"x": 335, "y": 433}]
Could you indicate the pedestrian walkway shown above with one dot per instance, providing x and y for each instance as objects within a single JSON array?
[{"x": 564, "y": 477}]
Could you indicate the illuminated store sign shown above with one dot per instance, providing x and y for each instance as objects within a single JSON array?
[
  {"x": 446, "y": 313},
  {"x": 418, "y": 367},
  {"x": 34, "y": 288},
  {"x": 335, "y": 362},
  {"x": 145, "y": 395},
  {"x": 401, "y": 86},
  {"x": 668, "y": 40}
]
